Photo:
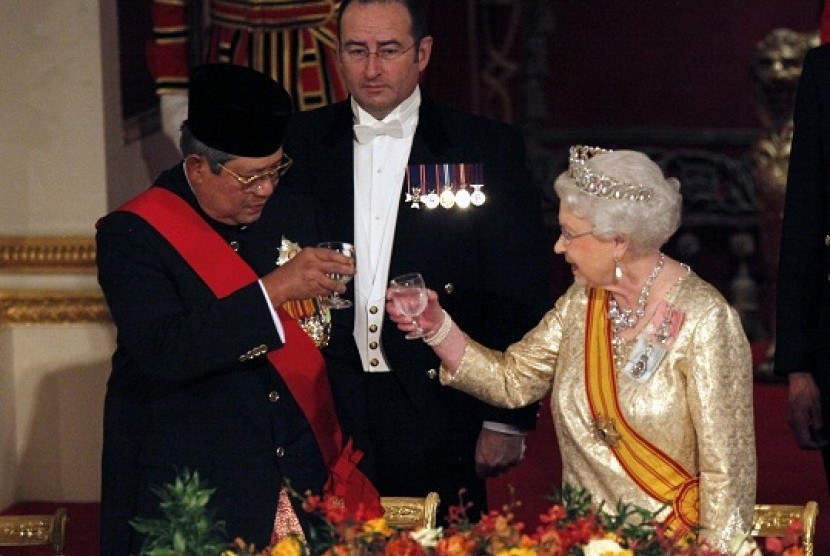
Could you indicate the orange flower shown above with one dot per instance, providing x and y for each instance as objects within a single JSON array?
[
  {"x": 377, "y": 525},
  {"x": 403, "y": 545},
  {"x": 455, "y": 545},
  {"x": 549, "y": 543},
  {"x": 516, "y": 552}
]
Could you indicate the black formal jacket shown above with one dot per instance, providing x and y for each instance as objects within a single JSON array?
[
  {"x": 489, "y": 264},
  {"x": 179, "y": 397},
  {"x": 803, "y": 305}
]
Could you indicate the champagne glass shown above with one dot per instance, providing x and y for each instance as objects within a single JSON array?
[
  {"x": 409, "y": 294},
  {"x": 334, "y": 301}
]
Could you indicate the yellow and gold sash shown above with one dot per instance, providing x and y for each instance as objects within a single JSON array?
[{"x": 650, "y": 468}]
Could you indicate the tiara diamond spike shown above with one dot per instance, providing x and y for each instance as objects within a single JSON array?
[{"x": 602, "y": 185}]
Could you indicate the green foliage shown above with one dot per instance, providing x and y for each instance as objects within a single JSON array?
[
  {"x": 636, "y": 528},
  {"x": 577, "y": 501},
  {"x": 639, "y": 528},
  {"x": 188, "y": 527}
]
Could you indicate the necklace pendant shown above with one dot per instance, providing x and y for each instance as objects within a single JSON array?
[{"x": 622, "y": 319}]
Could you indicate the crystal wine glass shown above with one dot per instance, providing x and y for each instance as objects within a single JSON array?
[
  {"x": 334, "y": 301},
  {"x": 409, "y": 294}
]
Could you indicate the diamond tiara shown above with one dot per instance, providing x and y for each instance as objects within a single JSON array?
[{"x": 601, "y": 185}]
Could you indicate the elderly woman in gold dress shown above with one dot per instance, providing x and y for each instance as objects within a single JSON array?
[{"x": 648, "y": 367}]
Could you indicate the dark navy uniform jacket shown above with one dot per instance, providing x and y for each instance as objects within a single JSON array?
[{"x": 187, "y": 389}]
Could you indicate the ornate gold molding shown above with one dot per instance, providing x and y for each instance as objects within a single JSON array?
[
  {"x": 52, "y": 307},
  {"x": 48, "y": 254}
]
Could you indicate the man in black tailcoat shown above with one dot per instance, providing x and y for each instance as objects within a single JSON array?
[
  {"x": 421, "y": 187},
  {"x": 803, "y": 307}
]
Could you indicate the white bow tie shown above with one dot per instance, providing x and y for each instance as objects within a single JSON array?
[{"x": 365, "y": 133}]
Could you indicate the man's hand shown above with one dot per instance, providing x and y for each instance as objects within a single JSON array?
[
  {"x": 497, "y": 452},
  {"x": 307, "y": 275},
  {"x": 804, "y": 412}
]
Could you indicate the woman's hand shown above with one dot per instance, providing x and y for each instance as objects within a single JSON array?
[
  {"x": 430, "y": 320},
  {"x": 450, "y": 343}
]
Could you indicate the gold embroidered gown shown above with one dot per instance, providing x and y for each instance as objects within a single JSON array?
[{"x": 696, "y": 407}]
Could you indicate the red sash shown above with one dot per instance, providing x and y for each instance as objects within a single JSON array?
[{"x": 298, "y": 361}]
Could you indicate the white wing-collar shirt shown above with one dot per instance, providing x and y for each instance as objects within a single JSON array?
[{"x": 379, "y": 168}]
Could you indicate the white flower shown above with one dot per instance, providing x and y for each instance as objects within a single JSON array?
[
  {"x": 598, "y": 547},
  {"x": 427, "y": 537},
  {"x": 743, "y": 545}
]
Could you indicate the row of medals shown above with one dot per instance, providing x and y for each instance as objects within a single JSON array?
[
  {"x": 448, "y": 198},
  {"x": 453, "y": 181}
]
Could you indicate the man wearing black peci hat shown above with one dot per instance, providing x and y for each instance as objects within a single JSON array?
[{"x": 205, "y": 372}]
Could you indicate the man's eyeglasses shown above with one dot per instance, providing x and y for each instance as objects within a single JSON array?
[
  {"x": 252, "y": 184},
  {"x": 387, "y": 53},
  {"x": 569, "y": 237}
]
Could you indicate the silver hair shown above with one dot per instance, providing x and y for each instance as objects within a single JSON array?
[
  {"x": 188, "y": 144},
  {"x": 647, "y": 224}
]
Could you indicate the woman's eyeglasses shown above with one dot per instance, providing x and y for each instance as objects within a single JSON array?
[{"x": 568, "y": 237}]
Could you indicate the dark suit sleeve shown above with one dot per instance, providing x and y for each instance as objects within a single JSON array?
[
  {"x": 165, "y": 325},
  {"x": 516, "y": 258},
  {"x": 802, "y": 275}
]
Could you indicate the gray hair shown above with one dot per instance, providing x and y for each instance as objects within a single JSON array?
[
  {"x": 648, "y": 224},
  {"x": 190, "y": 145}
]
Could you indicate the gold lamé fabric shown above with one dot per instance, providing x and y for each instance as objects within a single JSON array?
[{"x": 696, "y": 407}]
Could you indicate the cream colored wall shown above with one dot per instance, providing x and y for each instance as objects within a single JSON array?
[
  {"x": 64, "y": 165},
  {"x": 60, "y": 373}
]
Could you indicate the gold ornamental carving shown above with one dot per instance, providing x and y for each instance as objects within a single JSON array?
[
  {"x": 776, "y": 67},
  {"x": 53, "y": 307},
  {"x": 33, "y": 530},
  {"x": 27, "y": 529},
  {"x": 46, "y": 254},
  {"x": 410, "y": 512},
  {"x": 50, "y": 255},
  {"x": 774, "y": 520}
]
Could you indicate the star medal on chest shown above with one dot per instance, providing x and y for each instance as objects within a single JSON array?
[{"x": 605, "y": 431}]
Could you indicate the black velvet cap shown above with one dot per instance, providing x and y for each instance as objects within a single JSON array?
[{"x": 237, "y": 110}]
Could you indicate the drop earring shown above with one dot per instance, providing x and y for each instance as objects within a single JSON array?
[{"x": 618, "y": 273}]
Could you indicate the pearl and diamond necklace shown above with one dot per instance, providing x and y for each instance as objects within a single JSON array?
[{"x": 623, "y": 319}]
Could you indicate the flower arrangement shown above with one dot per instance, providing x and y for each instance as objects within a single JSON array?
[
  {"x": 188, "y": 527},
  {"x": 571, "y": 526}
]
